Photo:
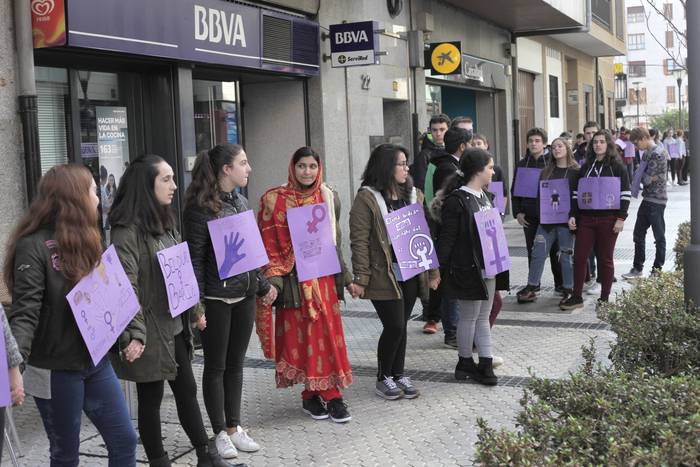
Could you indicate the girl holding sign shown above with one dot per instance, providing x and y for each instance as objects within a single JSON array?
[
  {"x": 230, "y": 303},
  {"x": 386, "y": 187},
  {"x": 55, "y": 245},
  {"x": 557, "y": 182},
  {"x": 156, "y": 346},
  {"x": 462, "y": 263},
  {"x": 598, "y": 212},
  {"x": 309, "y": 345}
]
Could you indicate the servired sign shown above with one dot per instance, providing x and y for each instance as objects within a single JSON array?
[{"x": 354, "y": 44}]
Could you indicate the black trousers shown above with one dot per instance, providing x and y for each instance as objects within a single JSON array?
[
  {"x": 225, "y": 342},
  {"x": 184, "y": 389},
  {"x": 530, "y": 232},
  {"x": 394, "y": 314}
]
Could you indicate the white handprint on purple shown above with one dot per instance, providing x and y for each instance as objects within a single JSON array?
[{"x": 232, "y": 247}]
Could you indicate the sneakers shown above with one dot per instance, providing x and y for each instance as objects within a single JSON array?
[
  {"x": 225, "y": 446},
  {"x": 387, "y": 389},
  {"x": 466, "y": 368},
  {"x": 338, "y": 411},
  {"x": 409, "y": 390},
  {"x": 571, "y": 303},
  {"x": 430, "y": 327},
  {"x": 243, "y": 442},
  {"x": 633, "y": 274},
  {"x": 451, "y": 341},
  {"x": 527, "y": 294},
  {"x": 497, "y": 361},
  {"x": 315, "y": 408}
]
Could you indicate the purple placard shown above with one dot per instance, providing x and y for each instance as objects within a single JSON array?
[
  {"x": 555, "y": 201},
  {"x": 5, "y": 397},
  {"x": 238, "y": 246},
  {"x": 499, "y": 199},
  {"x": 411, "y": 240},
  {"x": 526, "y": 182},
  {"x": 599, "y": 193},
  {"x": 637, "y": 179},
  {"x": 312, "y": 241},
  {"x": 629, "y": 151},
  {"x": 674, "y": 151},
  {"x": 103, "y": 303},
  {"x": 621, "y": 144},
  {"x": 180, "y": 281},
  {"x": 494, "y": 245}
]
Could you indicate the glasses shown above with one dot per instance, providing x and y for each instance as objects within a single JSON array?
[{"x": 402, "y": 164}]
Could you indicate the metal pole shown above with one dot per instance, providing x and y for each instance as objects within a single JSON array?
[
  {"x": 692, "y": 253},
  {"x": 680, "y": 104}
]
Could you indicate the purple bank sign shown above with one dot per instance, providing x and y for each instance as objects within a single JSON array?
[{"x": 207, "y": 31}]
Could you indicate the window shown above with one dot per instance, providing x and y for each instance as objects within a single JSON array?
[
  {"x": 670, "y": 94},
  {"x": 53, "y": 114},
  {"x": 633, "y": 96},
  {"x": 216, "y": 113},
  {"x": 635, "y": 14},
  {"x": 668, "y": 11},
  {"x": 669, "y": 66},
  {"x": 635, "y": 41},
  {"x": 553, "y": 96},
  {"x": 669, "y": 39},
  {"x": 637, "y": 69},
  {"x": 601, "y": 13}
]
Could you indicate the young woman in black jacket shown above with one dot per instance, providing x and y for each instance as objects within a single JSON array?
[
  {"x": 462, "y": 263},
  {"x": 229, "y": 304}
]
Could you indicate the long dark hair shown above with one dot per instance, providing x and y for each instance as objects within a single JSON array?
[
  {"x": 379, "y": 172},
  {"x": 473, "y": 161},
  {"x": 136, "y": 203},
  {"x": 612, "y": 157},
  {"x": 64, "y": 202},
  {"x": 203, "y": 192}
]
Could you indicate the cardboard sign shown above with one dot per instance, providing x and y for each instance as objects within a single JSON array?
[
  {"x": 494, "y": 245},
  {"x": 637, "y": 179},
  {"x": 5, "y": 397},
  {"x": 526, "y": 182},
  {"x": 599, "y": 193},
  {"x": 312, "y": 241},
  {"x": 238, "y": 246},
  {"x": 555, "y": 201},
  {"x": 180, "y": 281},
  {"x": 103, "y": 303},
  {"x": 411, "y": 241},
  {"x": 499, "y": 199}
]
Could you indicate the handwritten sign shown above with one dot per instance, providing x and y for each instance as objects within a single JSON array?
[
  {"x": 599, "y": 193},
  {"x": 312, "y": 241},
  {"x": 238, "y": 246},
  {"x": 494, "y": 245},
  {"x": 180, "y": 281},
  {"x": 103, "y": 303},
  {"x": 526, "y": 179},
  {"x": 411, "y": 241},
  {"x": 5, "y": 398},
  {"x": 555, "y": 201},
  {"x": 499, "y": 199}
]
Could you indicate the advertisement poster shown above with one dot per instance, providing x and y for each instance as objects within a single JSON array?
[
  {"x": 113, "y": 152},
  {"x": 48, "y": 23},
  {"x": 312, "y": 241},
  {"x": 411, "y": 241}
]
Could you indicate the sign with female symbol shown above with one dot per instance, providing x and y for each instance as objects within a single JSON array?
[
  {"x": 238, "y": 246},
  {"x": 599, "y": 193},
  {"x": 555, "y": 201},
  {"x": 411, "y": 241},
  {"x": 312, "y": 242},
  {"x": 494, "y": 245},
  {"x": 103, "y": 304}
]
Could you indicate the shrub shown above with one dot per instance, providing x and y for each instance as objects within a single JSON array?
[
  {"x": 682, "y": 242},
  {"x": 655, "y": 330}
]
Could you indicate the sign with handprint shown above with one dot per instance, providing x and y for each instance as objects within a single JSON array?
[
  {"x": 555, "y": 201},
  {"x": 411, "y": 241},
  {"x": 599, "y": 193},
  {"x": 238, "y": 246},
  {"x": 526, "y": 179},
  {"x": 312, "y": 241},
  {"x": 494, "y": 245},
  {"x": 499, "y": 198},
  {"x": 103, "y": 303},
  {"x": 180, "y": 281}
]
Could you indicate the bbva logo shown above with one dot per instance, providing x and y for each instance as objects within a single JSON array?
[{"x": 217, "y": 25}]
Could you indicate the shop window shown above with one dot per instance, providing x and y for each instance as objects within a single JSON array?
[
  {"x": 553, "y": 96},
  {"x": 53, "y": 113},
  {"x": 216, "y": 113}
]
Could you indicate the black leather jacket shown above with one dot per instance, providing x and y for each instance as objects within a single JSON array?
[{"x": 202, "y": 253}]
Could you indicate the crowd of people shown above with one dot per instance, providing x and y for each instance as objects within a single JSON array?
[{"x": 570, "y": 197}]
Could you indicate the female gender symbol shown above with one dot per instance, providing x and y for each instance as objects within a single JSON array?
[
  {"x": 315, "y": 219},
  {"x": 108, "y": 320}
]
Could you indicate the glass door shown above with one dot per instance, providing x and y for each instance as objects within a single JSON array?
[{"x": 216, "y": 113}]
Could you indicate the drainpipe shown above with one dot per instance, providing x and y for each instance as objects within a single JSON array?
[{"x": 27, "y": 95}]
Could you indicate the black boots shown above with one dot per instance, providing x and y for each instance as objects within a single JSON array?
[
  {"x": 485, "y": 373},
  {"x": 465, "y": 368},
  {"x": 163, "y": 461},
  {"x": 208, "y": 456}
]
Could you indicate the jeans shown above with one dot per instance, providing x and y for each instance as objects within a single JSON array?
[
  {"x": 530, "y": 233},
  {"x": 96, "y": 392},
  {"x": 596, "y": 230},
  {"x": 450, "y": 316},
  {"x": 545, "y": 238},
  {"x": 394, "y": 314},
  {"x": 649, "y": 215},
  {"x": 225, "y": 342}
]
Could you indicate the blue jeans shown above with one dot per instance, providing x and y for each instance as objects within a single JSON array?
[
  {"x": 540, "y": 251},
  {"x": 649, "y": 215},
  {"x": 450, "y": 316},
  {"x": 96, "y": 392}
]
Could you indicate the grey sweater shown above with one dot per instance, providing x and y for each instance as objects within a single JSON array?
[{"x": 654, "y": 176}]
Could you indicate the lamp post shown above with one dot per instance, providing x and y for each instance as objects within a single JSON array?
[
  {"x": 678, "y": 73},
  {"x": 636, "y": 92}
]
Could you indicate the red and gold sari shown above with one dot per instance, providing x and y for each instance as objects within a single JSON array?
[{"x": 307, "y": 343}]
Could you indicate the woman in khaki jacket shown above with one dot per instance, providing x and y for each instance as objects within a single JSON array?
[{"x": 386, "y": 187}]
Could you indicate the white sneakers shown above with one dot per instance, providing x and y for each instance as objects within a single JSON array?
[
  {"x": 497, "y": 361},
  {"x": 229, "y": 445}
]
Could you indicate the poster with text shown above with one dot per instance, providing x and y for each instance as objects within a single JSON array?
[
  {"x": 411, "y": 241},
  {"x": 180, "y": 281},
  {"x": 113, "y": 153}
]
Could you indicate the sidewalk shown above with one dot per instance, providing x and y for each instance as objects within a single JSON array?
[{"x": 438, "y": 428}]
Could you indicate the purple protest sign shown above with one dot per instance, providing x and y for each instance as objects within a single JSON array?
[
  {"x": 555, "y": 201},
  {"x": 499, "y": 199},
  {"x": 637, "y": 179},
  {"x": 599, "y": 193},
  {"x": 621, "y": 144},
  {"x": 674, "y": 151},
  {"x": 103, "y": 303},
  {"x": 526, "y": 180},
  {"x": 629, "y": 151},
  {"x": 238, "y": 246},
  {"x": 494, "y": 245},
  {"x": 180, "y": 281},
  {"x": 5, "y": 398},
  {"x": 312, "y": 241},
  {"x": 411, "y": 241}
]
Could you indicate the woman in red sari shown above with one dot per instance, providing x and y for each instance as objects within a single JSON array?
[{"x": 308, "y": 342}]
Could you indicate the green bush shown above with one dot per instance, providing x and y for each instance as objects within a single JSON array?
[
  {"x": 602, "y": 418},
  {"x": 655, "y": 330},
  {"x": 682, "y": 242}
]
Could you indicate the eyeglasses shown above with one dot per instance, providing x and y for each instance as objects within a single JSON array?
[{"x": 402, "y": 164}]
